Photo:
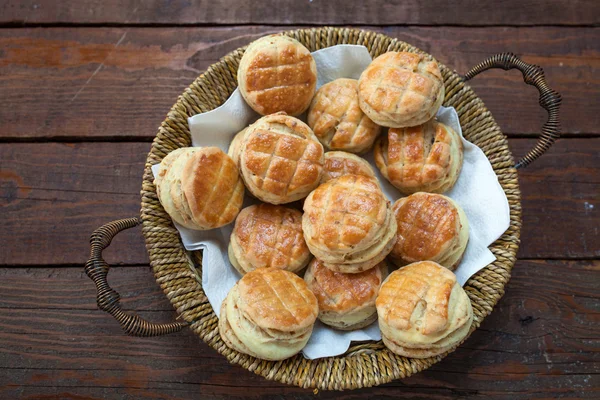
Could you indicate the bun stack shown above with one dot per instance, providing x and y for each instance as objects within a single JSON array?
[
  {"x": 269, "y": 314},
  {"x": 423, "y": 312},
  {"x": 348, "y": 224}
]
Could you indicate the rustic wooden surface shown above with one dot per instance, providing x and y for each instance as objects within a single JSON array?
[{"x": 83, "y": 87}]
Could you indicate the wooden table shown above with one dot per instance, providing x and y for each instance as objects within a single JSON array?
[{"x": 83, "y": 88}]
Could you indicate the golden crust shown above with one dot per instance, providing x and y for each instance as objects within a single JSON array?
[
  {"x": 423, "y": 284},
  {"x": 425, "y": 158},
  {"x": 340, "y": 163},
  {"x": 338, "y": 121},
  {"x": 266, "y": 235},
  {"x": 281, "y": 160},
  {"x": 277, "y": 73},
  {"x": 200, "y": 187},
  {"x": 212, "y": 187},
  {"x": 430, "y": 227},
  {"x": 400, "y": 89},
  {"x": 342, "y": 293},
  {"x": 277, "y": 299},
  {"x": 344, "y": 215}
]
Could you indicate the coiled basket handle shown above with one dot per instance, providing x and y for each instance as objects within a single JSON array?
[
  {"x": 549, "y": 99},
  {"x": 108, "y": 300}
]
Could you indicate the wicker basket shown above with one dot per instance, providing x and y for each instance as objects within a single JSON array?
[{"x": 179, "y": 272}]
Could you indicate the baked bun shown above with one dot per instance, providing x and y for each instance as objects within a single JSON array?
[
  {"x": 277, "y": 73},
  {"x": 423, "y": 311},
  {"x": 281, "y": 160},
  {"x": 424, "y": 158},
  {"x": 431, "y": 227},
  {"x": 349, "y": 224},
  {"x": 338, "y": 121},
  {"x": 236, "y": 146},
  {"x": 199, "y": 187},
  {"x": 340, "y": 163},
  {"x": 268, "y": 236},
  {"x": 268, "y": 314},
  {"x": 346, "y": 301},
  {"x": 401, "y": 89}
]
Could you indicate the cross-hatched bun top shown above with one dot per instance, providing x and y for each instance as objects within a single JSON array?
[
  {"x": 277, "y": 299},
  {"x": 340, "y": 163},
  {"x": 342, "y": 293},
  {"x": 428, "y": 226},
  {"x": 281, "y": 160},
  {"x": 400, "y": 89},
  {"x": 271, "y": 236},
  {"x": 277, "y": 73},
  {"x": 344, "y": 214},
  {"x": 425, "y": 158},
  {"x": 338, "y": 121}
]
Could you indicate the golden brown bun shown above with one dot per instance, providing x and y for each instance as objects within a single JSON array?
[
  {"x": 266, "y": 235},
  {"x": 346, "y": 301},
  {"x": 240, "y": 333},
  {"x": 424, "y": 158},
  {"x": 430, "y": 227},
  {"x": 277, "y": 73},
  {"x": 236, "y": 146},
  {"x": 277, "y": 299},
  {"x": 401, "y": 89},
  {"x": 423, "y": 310},
  {"x": 338, "y": 121},
  {"x": 349, "y": 224},
  {"x": 281, "y": 160},
  {"x": 200, "y": 188},
  {"x": 340, "y": 163}
]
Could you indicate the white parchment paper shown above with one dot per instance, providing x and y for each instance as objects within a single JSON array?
[{"x": 477, "y": 191}]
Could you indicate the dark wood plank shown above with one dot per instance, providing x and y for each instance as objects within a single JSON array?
[
  {"x": 540, "y": 341},
  {"x": 54, "y": 195},
  {"x": 286, "y": 12},
  {"x": 120, "y": 82},
  {"x": 560, "y": 197},
  {"x": 55, "y": 289}
]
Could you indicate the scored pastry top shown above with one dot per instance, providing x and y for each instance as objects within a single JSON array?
[
  {"x": 340, "y": 163},
  {"x": 281, "y": 160},
  {"x": 277, "y": 299},
  {"x": 417, "y": 297},
  {"x": 426, "y": 157},
  {"x": 271, "y": 236},
  {"x": 277, "y": 73},
  {"x": 400, "y": 89},
  {"x": 337, "y": 120},
  {"x": 428, "y": 224},
  {"x": 344, "y": 213},
  {"x": 342, "y": 292}
]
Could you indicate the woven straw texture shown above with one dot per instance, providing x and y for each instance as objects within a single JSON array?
[{"x": 179, "y": 272}]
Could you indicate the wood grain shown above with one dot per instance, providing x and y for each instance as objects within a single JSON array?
[
  {"x": 55, "y": 194},
  {"x": 103, "y": 83},
  {"x": 286, "y": 12},
  {"x": 541, "y": 339}
]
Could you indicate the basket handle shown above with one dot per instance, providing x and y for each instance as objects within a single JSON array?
[
  {"x": 108, "y": 300},
  {"x": 549, "y": 99}
]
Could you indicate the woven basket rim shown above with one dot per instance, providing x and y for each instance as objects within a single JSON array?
[{"x": 179, "y": 272}]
